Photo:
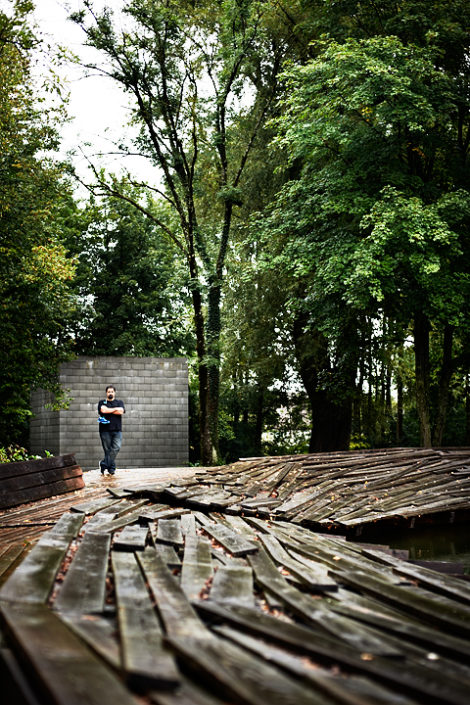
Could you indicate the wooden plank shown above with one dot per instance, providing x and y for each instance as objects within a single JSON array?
[
  {"x": 129, "y": 506},
  {"x": 169, "y": 532},
  {"x": 94, "y": 505},
  {"x": 131, "y": 538},
  {"x": 452, "y": 587},
  {"x": 317, "y": 612},
  {"x": 84, "y": 587},
  {"x": 425, "y": 683},
  {"x": 109, "y": 526},
  {"x": 168, "y": 555},
  {"x": 408, "y": 630},
  {"x": 34, "y": 493},
  {"x": 33, "y": 580},
  {"x": 299, "y": 569},
  {"x": 25, "y": 467},
  {"x": 188, "y": 693},
  {"x": 15, "y": 688},
  {"x": 237, "y": 674},
  {"x": 146, "y": 661},
  {"x": 178, "y": 616},
  {"x": 234, "y": 543},
  {"x": 46, "y": 477},
  {"x": 65, "y": 671},
  {"x": 351, "y": 691},
  {"x": 448, "y": 614},
  {"x": 233, "y": 584},
  {"x": 99, "y": 633},
  {"x": 188, "y": 524},
  {"x": 9, "y": 559},
  {"x": 160, "y": 512},
  {"x": 197, "y": 567}
]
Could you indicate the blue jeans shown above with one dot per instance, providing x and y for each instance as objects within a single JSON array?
[{"x": 111, "y": 442}]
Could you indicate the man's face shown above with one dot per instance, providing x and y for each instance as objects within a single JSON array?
[{"x": 110, "y": 394}]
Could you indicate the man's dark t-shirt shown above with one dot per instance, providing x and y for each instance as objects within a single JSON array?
[{"x": 115, "y": 420}]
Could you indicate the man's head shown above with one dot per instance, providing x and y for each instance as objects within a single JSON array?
[{"x": 110, "y": 392}]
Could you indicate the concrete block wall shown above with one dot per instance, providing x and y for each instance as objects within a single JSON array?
[
  {"x": 45, "y": 426},
  {"x": 155, "y": 425}
]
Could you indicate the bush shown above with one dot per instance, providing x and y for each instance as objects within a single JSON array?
[{"x": 14, "y": 453}]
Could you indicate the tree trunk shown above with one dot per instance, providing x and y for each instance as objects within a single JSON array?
[
  {"x": 444, "y": 384},
  {"x": 331, "y": 418},
  {"x": 467, "y": 410},
  {"x": 399, "y": 410},
  {"x": 203, "y": 382},
  {"x": 259, "y": 420},
  {"x": 422, "y": 375},
  {"x": 213, "y": 366}
]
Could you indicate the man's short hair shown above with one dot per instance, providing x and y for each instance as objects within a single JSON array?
[{"x": 110, "y": 386}]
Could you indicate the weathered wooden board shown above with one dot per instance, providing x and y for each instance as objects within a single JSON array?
[
  {"x": 84, "y": 587},
  {"x": 234, "y": 543},
  {"x": 146, "y": 661},
  {"x": 236, "y": 673},
  {"x": 28, "y": 467},
  {"x": 169, "y": 532},
  {"x": 33, "y": 580},
  {"x": 197, "y": 567},
  {"x": 65, "y": 670},
  {"x": 131, "y": 538},
  {"x": 13, "y": 499},
  {"x": 10, "y": 556},
  {"x": 294, "y": 616},
  {"x": 99, "y": 633},
  {"x": 30, "y": 480},
  {"x": 233, "y": 585},
  {"x": 178, "y": 617}
]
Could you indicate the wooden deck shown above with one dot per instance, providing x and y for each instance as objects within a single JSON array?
[{"x": 162, "y": 592}]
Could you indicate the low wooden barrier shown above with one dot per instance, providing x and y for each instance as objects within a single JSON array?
[{"x": 30, "y": 480}]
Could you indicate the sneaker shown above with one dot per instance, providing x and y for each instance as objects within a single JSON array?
[{"x": 102, "y": 468}]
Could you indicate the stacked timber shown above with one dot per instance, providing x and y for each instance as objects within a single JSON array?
[
  {"x": 344, "y": 490},
  {"x": 30, "y": 480},
  {"x": 127, "y": 597}
]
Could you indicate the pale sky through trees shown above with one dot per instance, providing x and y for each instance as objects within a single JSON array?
[{"x": 98, "y": 108}]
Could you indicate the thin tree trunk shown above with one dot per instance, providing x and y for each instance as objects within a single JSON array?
[
  {"x": 213, "y": 366},
  {"x": 259, "y": 420},
  {"x": 444, "y": 384},
  {"x": 467, "y": 410},
  {"x": 399, "y": 435},
  {"x": 422, "y": 376}
]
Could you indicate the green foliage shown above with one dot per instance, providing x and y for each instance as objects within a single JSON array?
[
  {"x": 133, "y": 296},
  {"x": 35, "y": 271},
  {"x": 15, "y": 453}
]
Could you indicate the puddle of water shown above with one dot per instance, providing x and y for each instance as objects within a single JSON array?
[{"x": 435, "y": 543}]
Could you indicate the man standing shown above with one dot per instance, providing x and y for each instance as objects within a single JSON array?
[{"x": 110, "y": 411}]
